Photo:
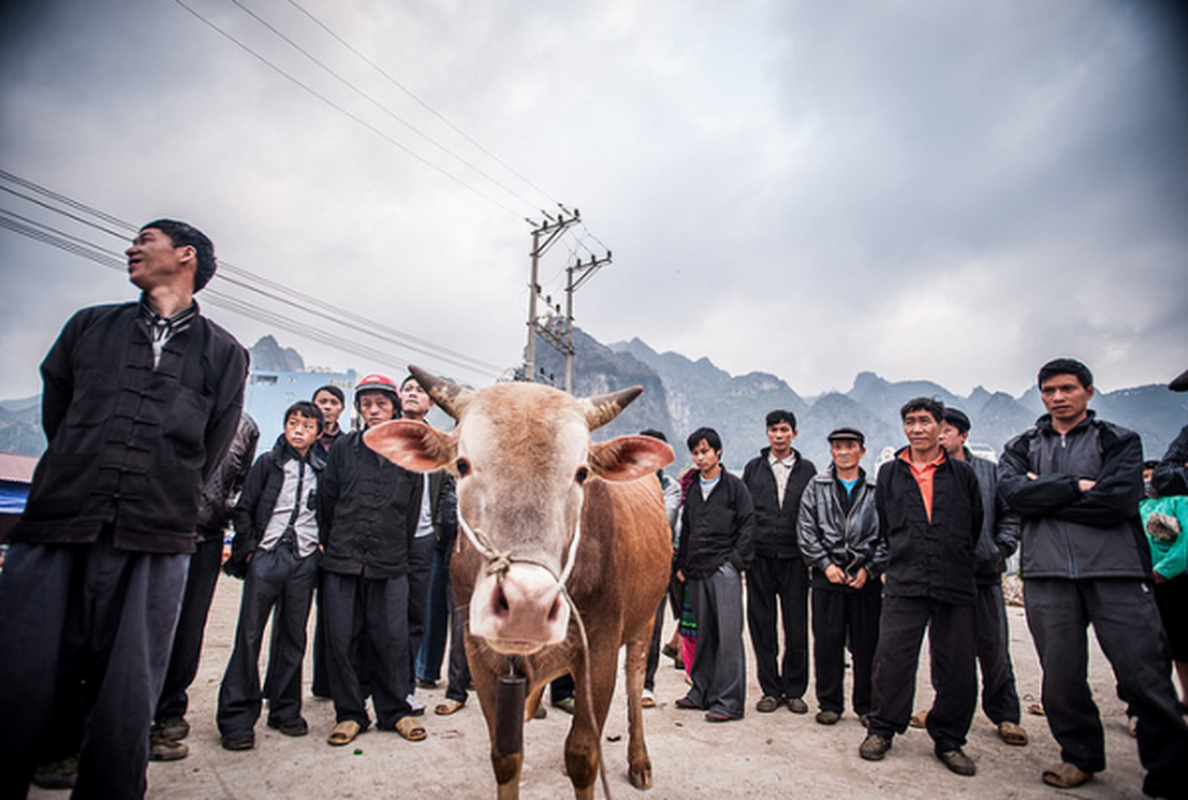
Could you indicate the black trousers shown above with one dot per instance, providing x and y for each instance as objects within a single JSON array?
[
  {"x": 841, "y": 614},
  {"x": 784, "y": 580},
  {"x": 276, "y": 578},
  {"x": 951, "y": 640},
  {"x": 1000, "y": 699},
  {"x": 191, "y": 625},
  {"x": 107, "y": 615},
  {"x": 368, "y": 615},
  {"x": 420, "y": 569},
  {"x": 1127, "y": 625},
  {"x": 458, "y": 671}
]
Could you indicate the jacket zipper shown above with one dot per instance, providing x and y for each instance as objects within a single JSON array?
[{"x": 1072, "y": 561}]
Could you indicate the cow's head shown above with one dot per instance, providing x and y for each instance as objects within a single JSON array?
[{"x": 521, "y": 453}]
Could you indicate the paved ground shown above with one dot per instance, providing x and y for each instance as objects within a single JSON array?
[{"x": 764, "y": 755}]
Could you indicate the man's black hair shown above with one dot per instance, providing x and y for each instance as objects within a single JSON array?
[
  {"x": 307, "y": 409},
  {"x": 655, "y": 434},
  {"x": 780, "y": 415},
  {"x": 932, "y": 405},
  {"x": 711, "y": 438},
  {"x": 182, "y": 234},
  {"x": 1065, "y": 366},
  {"x": 332, "y": 389},
  {"x": 1150, "y": 465}
]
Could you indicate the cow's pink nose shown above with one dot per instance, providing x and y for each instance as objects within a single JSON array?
[{"x": 525, "y": 609}]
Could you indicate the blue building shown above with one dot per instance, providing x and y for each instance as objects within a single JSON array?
[{"x": 269, "y": 393}]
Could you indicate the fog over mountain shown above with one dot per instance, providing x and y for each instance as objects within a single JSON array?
[{"x": 681, "y": 394}]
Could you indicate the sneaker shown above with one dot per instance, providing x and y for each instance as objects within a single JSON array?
[
  {"x": 162, "y": 748},
  {"x": 418, "y": 708},
  {"x": 874, "y": 747},
  {"x": 768, "y": 704},
  {"x": 566, "y": 704},
  {"x": 239, "y": 740},
  {"x": 649, "y": 699},
  {"x": 797, "y": 705},
  {"x": 57, "y": 774},
  {"x": 957, "y": 762},
  {"x": 827, "y": 717},
  {"x": 174, "y": 728}
]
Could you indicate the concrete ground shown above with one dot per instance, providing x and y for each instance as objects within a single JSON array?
[{"x": 776, "y": 755}]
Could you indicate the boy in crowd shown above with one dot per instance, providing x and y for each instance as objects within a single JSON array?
[
  {"x": 1076, "y": 481},
  {"x": 838, "y": 529},
  {"x": 717, "y": 534},
  {"x": 331, "y": 400},
  {"x": 776, "y": 480},
  {"x": 276, "y": 552},
  {"x": 369, "y": 514},
  {"x": 930, "y": 515}
]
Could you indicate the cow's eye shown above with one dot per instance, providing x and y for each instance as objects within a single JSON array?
[
  {"x": 463, "y": 467},
  {"x": 581, "y": 475}
]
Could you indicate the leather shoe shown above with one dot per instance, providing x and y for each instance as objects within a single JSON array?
[
  {"x": 797, "y": 706},
  {"x": 874, "y": 747},
  {"x": 767, "y": 704},
  {"x": 958, "y": 762},
  {"x": 827, "y": 717}
]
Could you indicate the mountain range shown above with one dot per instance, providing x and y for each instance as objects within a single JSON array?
[{"x": 681, "y": 394}]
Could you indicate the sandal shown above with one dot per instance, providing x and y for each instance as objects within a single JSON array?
[
  {"x": 344, "y": 733},
  {"x": 448, "y": 706},
  {"x": 410, "y": 729},
  {"x": 1012, "y": 733},
  {"x": 1066, "y": 776},
  {"x": 919, "y": 720}
]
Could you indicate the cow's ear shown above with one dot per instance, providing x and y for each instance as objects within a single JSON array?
[
  {"x": 412, "y": 445},
  {"x": 629, "y": 457}
]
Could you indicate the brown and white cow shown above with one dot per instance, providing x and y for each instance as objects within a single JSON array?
[{"x": 527, "y": 475}]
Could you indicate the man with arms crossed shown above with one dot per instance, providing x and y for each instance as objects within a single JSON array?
[{"x": 1077, "y": 481}]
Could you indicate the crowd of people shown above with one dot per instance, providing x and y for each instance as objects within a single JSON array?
[{"x": 106, "y": 589}]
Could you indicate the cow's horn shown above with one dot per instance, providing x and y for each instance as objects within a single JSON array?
[
  {"x": 451, "y": 398},
  {"x": 605, "y": 407}
]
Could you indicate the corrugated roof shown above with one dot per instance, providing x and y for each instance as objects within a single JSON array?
[{"x": 17, "y": 469}]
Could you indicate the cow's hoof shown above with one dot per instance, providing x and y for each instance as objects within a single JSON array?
[{"x": 641, "y": 776}]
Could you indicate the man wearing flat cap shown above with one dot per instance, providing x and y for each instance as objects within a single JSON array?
[
  {"x": 838, "y": 532},
  {"x": 141, "y": 401},
  {"x": 1171, "y": 476}
]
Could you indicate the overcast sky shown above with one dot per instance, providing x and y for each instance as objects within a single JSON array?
[{"x": 954, "y": 191}]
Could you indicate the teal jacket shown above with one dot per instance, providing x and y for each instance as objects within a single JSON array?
[{"x": 1170, "y": 558}]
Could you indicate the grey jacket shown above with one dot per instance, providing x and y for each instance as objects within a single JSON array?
[
  {"x": 1067, "y": 533},
  {"x": 1000, "y": 525},
  {"x": 828, "y": 536}
]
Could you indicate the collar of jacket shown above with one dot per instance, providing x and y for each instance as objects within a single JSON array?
[{"x": 1044, "y": 423}]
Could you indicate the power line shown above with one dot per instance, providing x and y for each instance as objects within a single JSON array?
[
  {"x": 346, "y": 113},
  {"x": 228, "y": 273}
]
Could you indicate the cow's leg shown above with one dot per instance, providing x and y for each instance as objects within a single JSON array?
[
  {"x": 639, "y": 765},
  {"x": 506, "y": 767},
  {"x": 581, "y": 747}
]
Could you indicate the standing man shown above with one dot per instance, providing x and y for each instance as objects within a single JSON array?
[
  {"x": 998, "y": 540},
  {"x": 1076, "y": 481},
  {"x": 1171, "y": 476},
  {"x": 838, "y": 529},
  {"x": 930, "y": 514},
  {"x": 331, "y": 401},
  {"x": 141, "y": 401},
  {"x": 717, "y": 531},
  {"x": 368, "y": 515},
  {"x": 776, "y": 480}
]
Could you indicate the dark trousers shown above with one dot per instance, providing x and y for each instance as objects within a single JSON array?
[
  {"x": 275, "y": 578},
  {"x": 321, "y": 663},
  {"x": 459, "y": 667},
  {"x": 106, "y": 615},
  {"x": 951, "y": 641},
  {"x": 191, "y": 626},
  {"x": 1126, "y": 622},
  {"x": 719, "y": 670},
  {"x": 420, "y": 567},
  {"x": 368, "y": 614},
  {"x": 653, "y": 662},
  {"x": 839, "y": 615},
  {"x": 437, "y": 619},
  {"x": 1000, "y": 700},
  {"x": 786, "y": 580}
]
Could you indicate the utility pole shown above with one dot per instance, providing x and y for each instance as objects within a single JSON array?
[{"x": 556, "y": 330}]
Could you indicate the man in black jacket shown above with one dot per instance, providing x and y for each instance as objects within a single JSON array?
[
  {"x": 717, "y": 531},
  {"x": 1077, "y": 481},
  {"x": 776, "y": 480},
  {"x": 368, "y": 519},
  {"x": 141, "y": 401},
  {"x": 930, "y": 513}
]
